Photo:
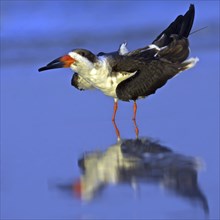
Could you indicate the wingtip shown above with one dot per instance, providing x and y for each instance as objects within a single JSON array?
[{"x": 192, "y": 7}]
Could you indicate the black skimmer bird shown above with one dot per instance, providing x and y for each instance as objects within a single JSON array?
[{"x": 126, "y": 75}]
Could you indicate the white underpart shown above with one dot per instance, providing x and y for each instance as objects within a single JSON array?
[
  {"x": 99, "y": 75},
  {"x": 123, "y": 49}
]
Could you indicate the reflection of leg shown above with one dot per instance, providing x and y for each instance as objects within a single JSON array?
[
  {"x": 136, "y": 128},
  {"x": 115, "y": 109},
  {"x": 116, "y": 130},
  {"x": 135, "y": 111},
  {"x": 135, "y": 188}
]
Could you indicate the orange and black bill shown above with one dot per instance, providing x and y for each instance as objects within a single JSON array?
[{"x": 61, "y": 62}]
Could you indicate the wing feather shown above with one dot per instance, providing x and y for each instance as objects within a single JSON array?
[
  {"x": 80, "y": 83},
  {"x": 159, "y": 61},
  {"x": 146, "y": 81}
]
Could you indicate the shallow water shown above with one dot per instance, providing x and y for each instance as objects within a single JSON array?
[{"x": 47, "y": 126}]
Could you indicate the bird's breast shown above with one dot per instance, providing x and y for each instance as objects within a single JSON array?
[
  {"x": 102, "y": 78},
  {"x": 107, "y": 84}
]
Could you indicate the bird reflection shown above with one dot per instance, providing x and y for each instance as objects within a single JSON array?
[{"x": 140, "y": 160}]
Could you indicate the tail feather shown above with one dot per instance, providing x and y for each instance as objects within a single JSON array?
[{"x": 189, "y": 63}]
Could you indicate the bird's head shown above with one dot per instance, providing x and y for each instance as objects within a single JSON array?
[{"x": 78, "y": 60}]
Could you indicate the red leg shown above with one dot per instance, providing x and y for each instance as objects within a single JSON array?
[
  {"x": 135, "y": 111},
  {"x": 116, "y": 130},
  {"x": 136, "y": 128},
  {"x": 134, "y": 119},
  {"x": 115, "y": 110}
]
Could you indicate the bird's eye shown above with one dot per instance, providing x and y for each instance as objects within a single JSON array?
[{"x": 82, "y": 53}]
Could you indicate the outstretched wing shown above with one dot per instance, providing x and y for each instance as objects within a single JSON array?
[
  {"x": 172, "y": 41},
  {"x": 181, "y": 26},
  {"x": 159, "y": 61}
]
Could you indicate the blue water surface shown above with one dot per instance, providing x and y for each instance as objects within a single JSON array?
[{"x": 49, "y": 129}]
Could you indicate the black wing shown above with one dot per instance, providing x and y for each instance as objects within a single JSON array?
[
  {"x": 146, "y": 81},
  {"x": 178, "y": 30},
  {"x": 181, "y": 27},
  {"x": 158, "y": 62}
]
